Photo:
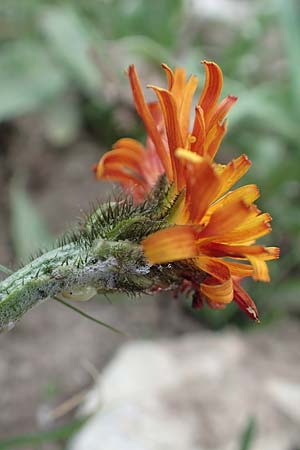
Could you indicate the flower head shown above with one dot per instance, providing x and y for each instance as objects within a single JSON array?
[{"x": 212, "y": 228}]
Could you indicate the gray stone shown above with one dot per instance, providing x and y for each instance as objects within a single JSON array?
[{"x": 197, "y": 392}]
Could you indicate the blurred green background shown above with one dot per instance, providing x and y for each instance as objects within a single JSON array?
[{"x": 63, "y": 91}]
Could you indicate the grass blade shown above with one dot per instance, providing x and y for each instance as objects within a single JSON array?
[
  {"x": 248, "y": 435},
  {"x": 87, "y": 316}
]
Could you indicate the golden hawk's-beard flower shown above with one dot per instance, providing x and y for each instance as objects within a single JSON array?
[{"x": 211, "y": 227}]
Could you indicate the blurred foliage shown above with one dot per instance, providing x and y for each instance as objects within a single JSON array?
[
  {"x": 66, "y": 59},
  {"x": 28, "y": 230},
  {"x": 36, "y": 440},
  {"x": 62, "y": 433},
  {"x": 50, "y": 48}
]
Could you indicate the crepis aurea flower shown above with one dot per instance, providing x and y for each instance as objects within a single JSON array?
[
  {"x": 180, "y": 225},
  {"x": 211, "y": 228}
]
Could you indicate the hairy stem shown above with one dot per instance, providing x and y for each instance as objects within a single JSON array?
[
  {"x": 102, "y": 255},
  {"x": 106, "y": 266}
]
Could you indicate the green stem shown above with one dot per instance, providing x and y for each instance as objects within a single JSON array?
[
  {"x": 106, "y": 266},
  {"x": 102, "y": 255}
]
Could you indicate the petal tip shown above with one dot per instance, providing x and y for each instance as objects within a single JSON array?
[
  {"x": 242, "y": 159},
  {"x": 208, "y": 63}
]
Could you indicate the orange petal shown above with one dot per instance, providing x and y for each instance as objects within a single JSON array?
[
  {"x": 126, "y": 179},
  {"x": 244, "y": 235},
  {"x": 126, "y": 151},
  {"x": 212, "y": 88},
  {"x": 248, "y": 194},
  {"x": 170, "y": 76},
  {"x": 189, "y": 156},
  {"x": 171, "y": 244},
  {"x": 219, "y": 289},
  {"x": 222, "y": 110},
  {"x": 199, "y": 132},
  {"x": 272, "y": 253},
  {"x": 179, "y": 84},
  {"x": 260, "y": 268},
  {"x": 145, "y": 114},
  {"x": 152, "y": 164},
  {"x": 251, "y": 230},
  {"x": 239, "y": 251},
  {"x": 157, "y": 115},
  {"x": 222, "y": 270},
  {"x": 211, "y": 147},
  {"x": 185, "y": 108},
  {"x": 232, "y": 172},
  {"x": 214, "y": 267},
  {"x": 244, "y": 301},
  {"x": 122, "y": 166},
  {"x": 261, "y": 272},
  {"x": 170, "y": 113},
  {"x": 130, "y": 144},
  {"x": 225, "y": 219},
  {"x": 218, "y": 293},
  {"x": 255, "y": 219},
  {"x": 123, "y": 157},
  {"x": 202, "y": 184},
  {"x": 238, "y": 269}
]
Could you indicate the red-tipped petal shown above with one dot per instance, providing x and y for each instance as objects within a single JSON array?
[
  {"x": 222, "y": 110},
  {"x": 232, "y": 172},
  {"x": 244, "y": 301}
]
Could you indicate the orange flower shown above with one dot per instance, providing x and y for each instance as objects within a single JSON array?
[{"x": 212, "y": 228}]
